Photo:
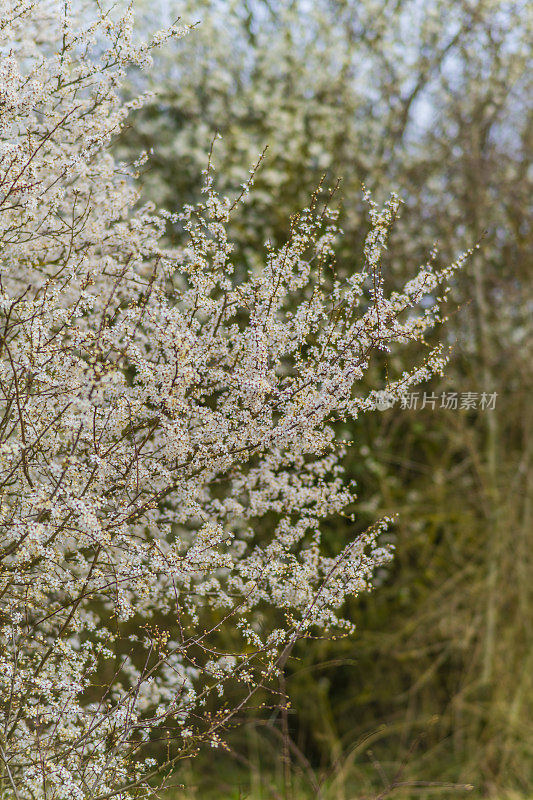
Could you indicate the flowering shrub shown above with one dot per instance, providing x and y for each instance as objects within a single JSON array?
[{"x": 156, "y": 404}]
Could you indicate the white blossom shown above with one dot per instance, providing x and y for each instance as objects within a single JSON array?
[{"x": 156, "y": 404}]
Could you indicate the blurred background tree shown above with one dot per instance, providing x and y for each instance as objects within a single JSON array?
[{"x": 432, "y": 100}]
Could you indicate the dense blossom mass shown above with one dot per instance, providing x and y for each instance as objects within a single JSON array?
[{"x": 156, "y": 405}]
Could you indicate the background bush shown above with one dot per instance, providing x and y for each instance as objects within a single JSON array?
[{"x": 431, "y": 99}]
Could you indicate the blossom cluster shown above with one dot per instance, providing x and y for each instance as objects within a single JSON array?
[{"x": 167, "y": 434}]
